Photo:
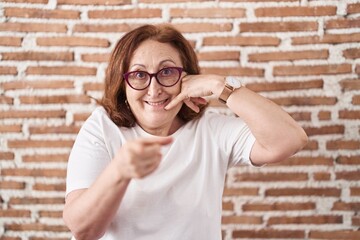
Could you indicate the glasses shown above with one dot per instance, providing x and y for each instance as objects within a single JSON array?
[{"x": 167, "y": 77}]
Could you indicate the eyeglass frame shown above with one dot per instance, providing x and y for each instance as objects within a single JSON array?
[{"x": 179, "y": 69}]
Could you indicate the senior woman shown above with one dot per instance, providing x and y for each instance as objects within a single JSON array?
[{"x": 150, "y": 163}]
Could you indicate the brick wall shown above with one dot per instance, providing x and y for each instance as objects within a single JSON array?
[{"x": 302, "y": 54}]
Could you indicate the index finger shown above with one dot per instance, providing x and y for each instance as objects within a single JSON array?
[{"x": 179, "y": 98}]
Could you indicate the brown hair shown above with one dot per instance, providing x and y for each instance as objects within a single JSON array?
[{"x": 114, "y": 98}]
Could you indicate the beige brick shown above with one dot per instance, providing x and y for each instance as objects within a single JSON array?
[
  {"x": 241, "y": 41},
  {"x": 61, "y": 70},
  {"x": 38, "y": 56},
  {"x": 241, "y": 220},
  {"x": 40, "y": 143},
  {"x": 37, "y": 84},
  {"x": 312, "y": 70},
  {"x": 289, "y": 55},
  {"x": 203, "y": 27},
  {"x": 125, "y": 13},
  {"x": 305, "y": 101},
  {"x": 11, "y": 41},
  {"x": 285, "y": 86},
  {"x": 73, "y": 41},
  {"x": 295, "y": 11},
  {"x": 32, "y": 114},
  {"x": 236, "y": 71},
  {"x": 54, "y": 99},
  {"x": 118, "y": 28},
  {"x": 93, "y": 2},
  {"x": 8, "y": 70},
  {"x": 32, "y": 27},
  {"x": 327, "y": 38}
]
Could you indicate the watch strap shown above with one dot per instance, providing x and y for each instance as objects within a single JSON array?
[{"x": 225, "y": 94}]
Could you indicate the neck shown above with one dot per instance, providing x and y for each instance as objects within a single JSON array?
[{"x": 165, "y": 130}]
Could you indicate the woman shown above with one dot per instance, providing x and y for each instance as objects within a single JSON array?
[{"x": 149, "y": 163}]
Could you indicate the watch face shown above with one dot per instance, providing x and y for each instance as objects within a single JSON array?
[{"x": 234, "y": 82}]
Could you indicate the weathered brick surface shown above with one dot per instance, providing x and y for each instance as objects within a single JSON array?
[{"x": 303, "y": 55}]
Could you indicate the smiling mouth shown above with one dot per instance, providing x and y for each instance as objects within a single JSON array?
[{"x": 159, "y": 103}]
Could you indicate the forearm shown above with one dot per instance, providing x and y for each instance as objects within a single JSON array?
[
  {"x": 277, "y": 134},
  {"x": 90, "y": 213}
]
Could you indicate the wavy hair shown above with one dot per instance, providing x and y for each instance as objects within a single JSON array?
[{"x": 114, "y": 98}]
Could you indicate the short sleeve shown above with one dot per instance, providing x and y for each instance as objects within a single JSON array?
[
  {"x": 233, "y": 137},
  {"x": 89, "y": 155}
]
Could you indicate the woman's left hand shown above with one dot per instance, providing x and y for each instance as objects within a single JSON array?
[{"x": 194, "y": 88}]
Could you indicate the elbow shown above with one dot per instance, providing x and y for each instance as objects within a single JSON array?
[{"x": 79, "y": 231}]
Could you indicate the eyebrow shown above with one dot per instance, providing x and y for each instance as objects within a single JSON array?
[{"x": 160, "y": 63}]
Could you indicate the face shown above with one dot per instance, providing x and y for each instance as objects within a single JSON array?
[{"x": 148, "y": 105}]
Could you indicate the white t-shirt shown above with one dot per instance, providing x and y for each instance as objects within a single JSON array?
[{"x": 182, "y": 198}]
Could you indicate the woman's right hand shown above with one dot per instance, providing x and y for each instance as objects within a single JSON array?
[{"x": 139, "y": 158}]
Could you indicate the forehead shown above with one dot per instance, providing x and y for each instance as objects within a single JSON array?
[{"x": 151, "y": 51}]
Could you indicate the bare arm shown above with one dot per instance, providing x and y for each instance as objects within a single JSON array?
[
  {"x": 277, "y": 135},
  {"x": 89, "y": 212}
]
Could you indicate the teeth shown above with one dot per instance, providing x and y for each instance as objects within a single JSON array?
[{"x": 156, "y": 103}]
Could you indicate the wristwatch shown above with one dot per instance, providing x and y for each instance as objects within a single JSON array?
[{"x": 231, "y": 84}]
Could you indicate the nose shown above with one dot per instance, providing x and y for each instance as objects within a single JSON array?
[{"x": 154, "y": 88}]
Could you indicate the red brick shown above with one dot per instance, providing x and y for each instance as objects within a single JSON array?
[
  {"x": 93, "y": 86},
  {"x": 203, "y": 27},
  {"x": 323, "y": 192},
  {"x": 7, "y": 155},
  {"x": 15, "y": 213},
  {"x": 350, "y": 84},
  {"x": 54, "y": 99},
  {"x": 50, "y": 214},
  {"x": 8, "y": 71},
  {"x": 6, "y": 100},
  {"x": 324, "y": 115},
  {"x": 333, "y": 129},
  {"x": 305, "y": 161},
  {"x": 40, "y": 143},
  {"x": 234, "y": 71},
  {"x": 208, "y": 12},
  {"x": 284, "y": 86},
  {"x": 354, "y": 191},
  {"x": 355, "y": 221},
  {"x": 93, "y": 2},
  {"x": 349, "y": 114},
  {"x": 54, "y": 129},
  {"x": 241, "y": 41},
  {"x": 6, "y": 237},
  {"x": 32, "y": 27},
  {"x": 322, "y": 176},
  {"x": 241, "y": 191},
  {"x": 337, "y": 234},
  {"x": 45, "y": 158},
  {"x": 38, "y": 56},
  {"x": 35, "y": 227},
  {"x": 288, "y": 55},
  {"x": 295, "y": 11},
  {"x": 346, "y": 206},
  {"x": 356, "y": 100},
  {"x": 311, "y": 145},
  {"x": 318, "y": 219},
  {"x": 33, "y": 114},
  {"x": 312, "y": 70},
  {"x": 41, "y": 13},
  {"x": 301, "y": 116},
  {"x": 72, "y": 41},
  {"x": 352, "y": 53},
  {"x": 61, "y": 70},
  {"x": 269, "y": 233},
  {"x": 49, "y": 187},
  {"x": 343, "y": 144},
  {"x": 278, "y": 206},
  {"x": 95, "y": 57},
  {"x": 126, "y": 13},
  {"x": 36, "y": 200},
  {"x": 241, "y": 220},
  {"x": 11, "y": 185},
  {"x": 255, "y": 0},
  {"x": 342, "y": 23},
  {"x": 45, "y": 172},
  {"x": 121, "y": 27},
  {"x": 219, "y": 56},
  {"x": 38, "y": 84},
  {"x": 27, "y": 1},
  {"x": 306, "y": 101},
  {"x": 348, "y": 175},
  {"x": 10, "y": 128},
  {"x": 270, "y": 177},
  {"x": 227, "y": 206},
  {"x": 11, "y": 41},
  {"x": 353, "y": 8},
  {"x": 327, "y": 38},
  {"x": 81, "y": 116},
  {"x": 354, "y": 160},
  {"x": 278, "y": 27}
]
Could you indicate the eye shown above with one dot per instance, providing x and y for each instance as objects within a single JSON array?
[
  {"x": 167, "y": 72},
  {"x": 139, "y": 75}
]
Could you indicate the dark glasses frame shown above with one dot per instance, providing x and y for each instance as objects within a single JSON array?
[{"x": 151, "y": 75}]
